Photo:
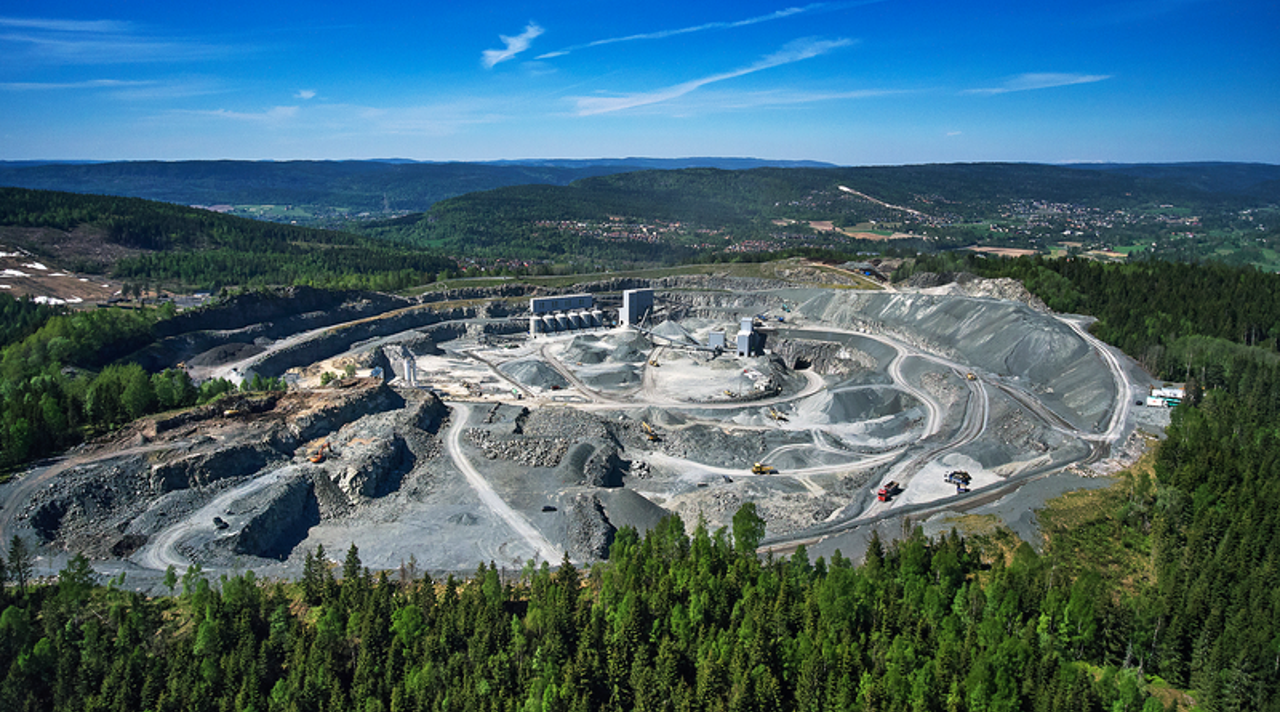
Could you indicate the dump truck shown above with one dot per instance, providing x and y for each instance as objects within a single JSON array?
[
  {"x": 762, "y": 469},
  {"x": 886, "y": 493},
  {"x": 971, "y": 376},
  {"x": 958, "y": 477}
]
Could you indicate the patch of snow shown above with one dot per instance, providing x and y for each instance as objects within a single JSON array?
[
  {"x": 82, "y": 279},
  {"x": 59, "y": 274},
  {"x": 35, "y": 265},
  {"x": 9, "y": 254},
  {"x": 13, "y": 273},
  {"x": 56, "y": 301},
  {"x": 6, "y": 286}
]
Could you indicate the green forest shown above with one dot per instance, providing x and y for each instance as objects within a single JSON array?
[{"x": 198, "y": 249}]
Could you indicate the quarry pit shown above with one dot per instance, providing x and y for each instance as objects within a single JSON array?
[{"x": 446, "y": 434}]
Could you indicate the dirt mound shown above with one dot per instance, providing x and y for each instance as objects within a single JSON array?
[
  {"x": 626, "y": 508},
  {"x": 534, "y": 373},
  {"x": 853, "y": 405},
  {"x": 586, "y": 350}
]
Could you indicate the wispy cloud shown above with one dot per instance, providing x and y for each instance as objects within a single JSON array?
[
  {"x": 95, "y": 42},
  {"x": 793, "y": 52},
  {"x": 275, "y": 114},
  {"x": 32, "y": 23},
  {"x": 305, "y": 94},
  {"x": 722, "y": 25},
  {"x": 1041, "y": 80},
  {"x": 514, "y": 45},
  {"x": 86, "y": 84}
]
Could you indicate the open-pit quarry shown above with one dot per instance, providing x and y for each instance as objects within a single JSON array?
[{"x": 445, "y": 434}]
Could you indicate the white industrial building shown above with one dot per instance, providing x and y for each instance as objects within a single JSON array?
[
  {"x": 636, "y": 305},
  {"x": 550, "y": 315}
]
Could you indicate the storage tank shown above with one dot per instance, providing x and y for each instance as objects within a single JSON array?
[
  {"x": 548, "y": 324},
  {"x": 563, "y": 321},
  {"x": 597, "y": 318},
  {"x": 535, "y": 325}
]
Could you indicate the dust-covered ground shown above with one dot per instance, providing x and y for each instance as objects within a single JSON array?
[{"x": 461, "y": 439}]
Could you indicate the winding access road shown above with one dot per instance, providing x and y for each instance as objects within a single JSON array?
[{"x": 491, "y": 499}]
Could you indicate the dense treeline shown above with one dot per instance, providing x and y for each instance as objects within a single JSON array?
[
  {"x": 203, "y": 249},
  {"x": 55, "y": 390},
  {"x": 672, "y": 622},
  {"x": 21, "y": 317}
]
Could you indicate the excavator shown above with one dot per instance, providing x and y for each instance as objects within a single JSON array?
[
  {"x": 762, "y": 469},
  {"x": 318, "y": 456},
  {"x": 776, "y": 415},
  {"x": 653, "y": 362},
  {"x": 649, "y": 432}
]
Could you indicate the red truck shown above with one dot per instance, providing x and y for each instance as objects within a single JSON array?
[{"x": 886, "y": 493}]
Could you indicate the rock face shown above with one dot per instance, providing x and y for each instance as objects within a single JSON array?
[
  {"x": 590, "y": 533},
  {"x": 205, "y": 468},
  {"x": 824, "y": 357},
  {"x": 282, "y": 514}
]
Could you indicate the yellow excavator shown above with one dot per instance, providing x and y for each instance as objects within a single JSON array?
[
  {"x": 776, "y": 415},
  {"x": 971, "y": 376},
  {"x": 649, "y": 432},
  {"x": 318, "y": 456},
  {"x": 762, "y": 469}
]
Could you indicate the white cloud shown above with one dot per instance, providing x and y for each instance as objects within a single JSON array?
[
  {"x": 305, "y": 94},
  {"x": 87, "y": 84},
  {"x": 1040, "y": 80},
  {"x": 721, "y": 25},
  {"x": 47, "y": 41},
  {"x": 34, "y": 23},
  {"x": 275, "y": 114},
  {"x": 954, "y": 133},
  {"x": 793, "y": 52},
  {"x": 514, "y": 45}
]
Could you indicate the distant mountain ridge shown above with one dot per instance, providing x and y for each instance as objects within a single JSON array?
[{"x": 378, "y": 186}]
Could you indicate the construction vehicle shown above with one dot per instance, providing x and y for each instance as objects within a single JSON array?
[
  {"x": 886, "y": 493},
  {"x": 653, "y": 362},
  {"x": 773, "y": 413},
  {"x": 762, "y": 469},
  {"x": 958, "y": 477},
  {"x": 233, "y": 412},
  {"x": 961, "y": 489},
  {"x": 971, "y": 376},
  {"x": 649, "y": 432},
  {"x": 318, "y": 456}
]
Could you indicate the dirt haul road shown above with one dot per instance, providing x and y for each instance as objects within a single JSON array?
[{"x": 545, "y": 549}]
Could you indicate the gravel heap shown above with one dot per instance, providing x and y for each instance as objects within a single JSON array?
[{"x": 528, "y": 451}]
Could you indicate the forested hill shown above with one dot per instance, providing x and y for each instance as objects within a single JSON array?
[
  {"x": 522, "y": 219},
  {"x": 354, "y": 186},
  {"x": 344, "y": 187},
  {"x": 163, "y": 243}
]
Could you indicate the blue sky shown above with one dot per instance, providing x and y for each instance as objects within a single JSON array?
[{"x": 854, "y": 83}]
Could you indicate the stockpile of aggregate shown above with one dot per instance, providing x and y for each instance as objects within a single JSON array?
[{"x": 534, "y": 373}]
